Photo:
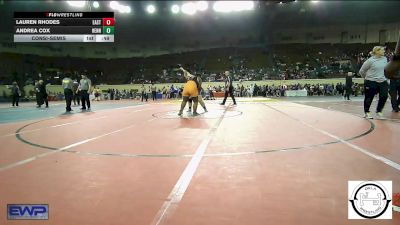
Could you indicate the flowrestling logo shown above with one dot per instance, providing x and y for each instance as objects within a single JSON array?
[
  {"x": 370, "y": 200},
  {"x": 27, "y": 211}
]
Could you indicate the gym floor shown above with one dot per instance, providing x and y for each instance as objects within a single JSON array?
[{"x": 264, "y": 161}]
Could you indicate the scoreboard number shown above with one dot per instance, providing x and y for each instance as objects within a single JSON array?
[
  {"x": 64, "y": 26},
  {"x": 108, "y": 21},
  {"x": 108, "y": 30}
]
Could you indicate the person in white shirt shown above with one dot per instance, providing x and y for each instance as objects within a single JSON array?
[
  {"x": 251, "y": 90},
  {"x": 85, "y": 86}
]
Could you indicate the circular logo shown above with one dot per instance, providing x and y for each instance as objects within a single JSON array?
[{"x": 370, "y": 199}]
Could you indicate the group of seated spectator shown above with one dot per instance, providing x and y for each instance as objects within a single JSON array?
[
  {"x": 274, "y": 63},
  {"x": 208, "y": 92},
  {"x": 280, "y": 90},
  {"x": 174, "y": 92},
  {"x": 258, "y": 63}
]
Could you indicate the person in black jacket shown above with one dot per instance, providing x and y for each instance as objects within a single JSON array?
[
  {"x": 15, "y": 93},
  {"x": 39, "y": 97},
  {"x": 76, "y": 93},
  {"x": 43, "y": 93},
  {"x": 394, "y": 91},
  {"x": 228, "y": 88},
  {"x": 68, "y": 86},
  {"x": 392, "y": 71},
  {"x": 349, "y": 85}
]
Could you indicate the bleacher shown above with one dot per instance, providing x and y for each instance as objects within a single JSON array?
[{"x": 289, "y": 61}]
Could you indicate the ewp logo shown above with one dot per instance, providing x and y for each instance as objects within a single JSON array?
[{"x": 28, "y": 212}]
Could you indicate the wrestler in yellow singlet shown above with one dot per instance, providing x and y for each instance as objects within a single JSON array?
[
  {"x": 200, "y": 98},
  {"x": 189, "y": 90}
]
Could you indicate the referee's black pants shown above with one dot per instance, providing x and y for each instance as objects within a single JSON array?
[{"x": 230, "y": 92}]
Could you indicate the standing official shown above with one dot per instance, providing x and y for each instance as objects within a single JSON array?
[
  {"x": 153, "y": 92},
  {"x": 97, "y": 94},
  {"x": 67, "y": 85},
  {"x": 84, "y": 86},
  {"x": 76, "y": 94},
  {"x": 349, "y": 85},
  {"x": 144, "y": 93},
  {"x": 15, "y": 93},
  {"x": 43, "y": 93},
  {"x": 394, "y": 90},
  {"x": 228, "y": 88},
  {"x": 39, "y": 97}
]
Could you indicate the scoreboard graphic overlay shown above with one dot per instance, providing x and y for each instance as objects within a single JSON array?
[{"x": 64, "y": 26}]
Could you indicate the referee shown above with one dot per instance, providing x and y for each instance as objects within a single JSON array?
[
  {"x": 228, "y": 88},
  {"x": 67, "y": 85},
  {"x": 349, "y": 86}
]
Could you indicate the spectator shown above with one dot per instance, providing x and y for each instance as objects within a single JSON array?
[
  {"x": 15, "y": 93},
  {"x": 375, "y": 81},
  {"x": 349, "y": 85}
]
